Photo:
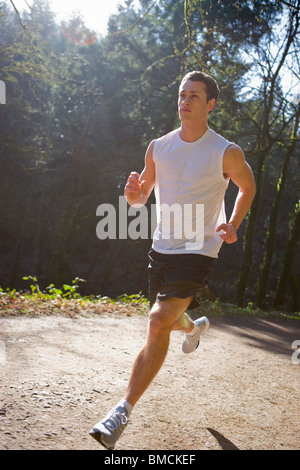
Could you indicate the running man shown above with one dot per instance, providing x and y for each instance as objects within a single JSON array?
[{"x": 190, "y": 166}]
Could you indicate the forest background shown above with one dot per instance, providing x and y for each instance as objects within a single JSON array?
[{"x": 81, "y": 110}]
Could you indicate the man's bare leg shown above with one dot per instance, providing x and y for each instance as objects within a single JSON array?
[
  {"x": 184, "y": 323},
  {"x": 163, "y": 316}
]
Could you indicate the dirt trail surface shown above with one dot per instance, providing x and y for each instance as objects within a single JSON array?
[{"x": 60, "y": 375}]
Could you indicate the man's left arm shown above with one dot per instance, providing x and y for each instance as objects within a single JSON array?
[{"x": 237, "y": 169}]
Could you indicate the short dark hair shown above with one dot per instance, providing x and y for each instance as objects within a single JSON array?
[{"x": 212, "y": 88}]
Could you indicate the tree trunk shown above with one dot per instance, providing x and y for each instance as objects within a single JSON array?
[
  {"x": 289, "y": 253},
  {"x": 249, "y": 235},
  {"x": 271, "y": 233}
]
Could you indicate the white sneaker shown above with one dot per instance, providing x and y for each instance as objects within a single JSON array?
[
  {"x": 108, "y": 431},
  {"x": 191, "y": 343}
]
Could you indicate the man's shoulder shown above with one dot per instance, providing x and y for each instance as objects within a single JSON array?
[
  {"x": 165, "y": 141},
  {"x": 218, "y": 137},
  {"x": 234, "y": 151},
  {"x": 234, "y": 158},
  {"x": 167, "y": 136}
]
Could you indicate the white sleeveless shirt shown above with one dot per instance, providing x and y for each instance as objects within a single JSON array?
[{"x": 189, "y": 191}]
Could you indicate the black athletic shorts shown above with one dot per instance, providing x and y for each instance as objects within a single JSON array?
[{"x": 177, "y": 275}]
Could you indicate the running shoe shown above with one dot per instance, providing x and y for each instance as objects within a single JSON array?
[
  {"x": 108, "y": 431},
  {"x": 191, "y": 343}
]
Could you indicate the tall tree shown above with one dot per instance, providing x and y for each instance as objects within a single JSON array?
[
  {"x": 286, "y": 274},
  {"x": 270, "y": 122},
  {"x": 271, "y": 233}
]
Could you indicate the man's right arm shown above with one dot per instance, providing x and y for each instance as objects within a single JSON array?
[{"x": 138, "y": 187}]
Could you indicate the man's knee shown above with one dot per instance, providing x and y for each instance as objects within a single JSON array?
[
  {"x": 164, "y": 314},
  {"x": 159, "y": 320}
]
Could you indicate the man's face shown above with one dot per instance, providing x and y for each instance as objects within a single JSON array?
[{"x": 192, "y": 101}]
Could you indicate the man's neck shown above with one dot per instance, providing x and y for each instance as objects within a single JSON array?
[{"x": 191, "y": 133}]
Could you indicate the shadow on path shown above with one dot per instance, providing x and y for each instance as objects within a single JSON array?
[
  {"x": 276, "y": 336},
  {"x": 225, "y": 443}
]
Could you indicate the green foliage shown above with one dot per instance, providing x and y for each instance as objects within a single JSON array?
[
  {"x": 67, "y": 299},
  {"x": 71, "y": 292},
  {"x": 134, "y": 299},
  {"x": 218, "y": 309},
  {"x": 66, "y": 292}
]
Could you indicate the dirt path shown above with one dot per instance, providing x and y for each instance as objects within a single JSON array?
[{"x": 60, "y": 375}]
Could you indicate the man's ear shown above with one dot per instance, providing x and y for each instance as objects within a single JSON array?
[{"x": 211, "y": 104}]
